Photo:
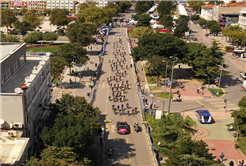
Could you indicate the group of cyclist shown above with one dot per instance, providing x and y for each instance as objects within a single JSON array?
[{"x": 117, "y": 83}]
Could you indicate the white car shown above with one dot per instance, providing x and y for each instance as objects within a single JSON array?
[{"x": 117, "y": 34}]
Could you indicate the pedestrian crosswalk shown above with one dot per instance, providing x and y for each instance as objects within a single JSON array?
[{"x": 221, "y": 105}]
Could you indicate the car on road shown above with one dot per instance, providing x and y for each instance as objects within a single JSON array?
[
  {"x": 123, "y": 127},
  {"x": 217, "y": 42},
  {"x": 204, "y": 116},
  {"x": 117, "y": 34}
]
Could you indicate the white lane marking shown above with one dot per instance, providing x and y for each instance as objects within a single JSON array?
[
  {"x": 233, "y": 108},
  {"x": 223, "y": 105},
  {"x": 213, "y": 99},
  {"x": 103, "y": 85},
  {"x": 112, "y": 128}
]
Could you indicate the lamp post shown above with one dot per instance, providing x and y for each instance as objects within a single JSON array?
[
  {"x": 185, "y": 110},
  {"x": 201, "y": 133},
  {"x": 165, "y": 76},
  {"x": 208, "y": 80},
  {"x": 169, "y": 105}
]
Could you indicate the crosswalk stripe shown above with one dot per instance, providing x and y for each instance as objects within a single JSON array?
[
  {"x": 113, "y": 128},
  {"x": 224, "y": 105},
  {"x": 232, "y": 108},
  {"x": 213, "y": 99},
  {"x": 216, "y": 102},
  {"x": 103, "y": 85}
]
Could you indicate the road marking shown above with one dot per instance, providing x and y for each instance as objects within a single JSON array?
[
  {"x": 129, "y": 155},
  {"x": 213, "y": 99},
  {"x": 204, "y": 105},
  {"x": 223, "y": 105},
  {"x": 103, "y": 85},
  {"x": 217, "y": 102},
  {"x": 112, "y": 128},
  {"x": 124, "y": 119},
  {"x": 232, "y": 108},
  {"x": 107, "y": 128}
]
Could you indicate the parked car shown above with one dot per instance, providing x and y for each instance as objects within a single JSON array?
[{"x": 204, "y": 116}]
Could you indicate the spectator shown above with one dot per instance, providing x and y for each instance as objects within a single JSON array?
[{"x": 222, "y": 156}]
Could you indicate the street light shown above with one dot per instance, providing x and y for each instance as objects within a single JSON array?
[
  {"x": 169, "y": 105},
  {"x": 165, "y": 76},
  {"x": 185, "y": 110},
  {"x": 201, "y": 133},
  {"x": 208, "y": 80}
]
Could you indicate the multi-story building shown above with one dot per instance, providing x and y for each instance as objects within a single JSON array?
[
  {"x": 25, "y": 91},
  {"x": 36, "y": 4},
  {"x": 242, "y": 19},
  {"x": 61, "y": 4},
  {"x": 207, "y": 12},
  {"x": 5, "y": 4},
  {"x": 17, "y": 4}
]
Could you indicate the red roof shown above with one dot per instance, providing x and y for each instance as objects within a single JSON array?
[
  {"x": 235, "y": 4},
  {"x": 207, "y": 6}
]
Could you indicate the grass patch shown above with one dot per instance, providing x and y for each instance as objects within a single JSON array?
[
  {"x": 44, "y": 49},
  {"x": 163, "y": 95},
  {"x": 153, "y": 81},
  {"x": 154, "y": 88},
  {"x": 54, "y": 81},
  {"x": 242, "y": 144},
  {"x": 216, "y": 90}
]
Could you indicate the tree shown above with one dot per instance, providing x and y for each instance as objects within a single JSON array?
[
  {"x": 242, "y": 102},
  {"x": 59, "y": 18},
  {"x": 181, "y": 26},
  {"x": 23, "y": 27},
  {"x": 167, "y": 20},
  {"x": 87, "y": 4},
  {"x": 57, "y": 65},
  {"x": 23, "y": 10},
  {"x": 143, "y": 20},
  {"x": 211, "y": 23},
  {"x": 73, "y": 123},
  {"x": 56, "y": 156},
  {"x": 81, "y": 33},
  {"x": 97, "y": 15},
  {"x": 215, "y": 29},
  {"x": 240, "y": 118},
  {"x": 161, "y": 45},
  {"x": 47, "y": 11},
  {"x": 140, "y": 32},
  {"x": 7, "y": 18},
  {"x": 143, "y": 6},
  {"x": 31, "y": 18},
  {"x": 124, "y": 5},
  {"x": 195, "y": 17},
  {"x": 33, "y": 37},
  {"x": 8, "y": 38},
  {"x": 196, "y": 5},
  {"x": 110, "y": 11},
  {"x": 165, "y": 8},
  {"x": 73, "y": 53},
  {"x": 50, "y": 36},
  {"x": 202, "y": 22}
]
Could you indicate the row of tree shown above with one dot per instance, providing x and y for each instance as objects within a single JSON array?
[
  {"x": 240, "y": 117},
  {"x": 70, "y": 129},
  {"x": 235, "y": 34},
  {"x": 176, "y": 142},
  {"x": 157, "y": 48},
  {"x": 211, "y": 25}
]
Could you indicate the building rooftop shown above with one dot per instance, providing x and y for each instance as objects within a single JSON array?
[
  {"x": 18, "y": 78},
  {"x": 207, "y": 6},
  {"x": 5, "y": 49},
  {"x": 12, "y": 148}
]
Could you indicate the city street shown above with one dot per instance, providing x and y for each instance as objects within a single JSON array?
[{"x": 131, "y": 149}]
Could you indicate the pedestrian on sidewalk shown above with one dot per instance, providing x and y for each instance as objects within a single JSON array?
[
  {"x": 222, "y": 157},
  {"x": 198, "y": 90},
  {"x": 154, "y": 104},
  {"x": 242, "y": 162},
  {"x": 231, "y": 163}
]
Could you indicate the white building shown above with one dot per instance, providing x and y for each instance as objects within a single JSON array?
[
  {"x": 25, "y": 91},
  {"x": 61, "y": 4},
  {"x": 242, "y": 19},
  {"x": 207, "y": 12}
]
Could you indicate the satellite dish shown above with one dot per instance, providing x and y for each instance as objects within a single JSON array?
[{"x": 17, "y": 90}]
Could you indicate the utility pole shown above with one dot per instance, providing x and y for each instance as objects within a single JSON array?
[{"x": 170, "y": 93}]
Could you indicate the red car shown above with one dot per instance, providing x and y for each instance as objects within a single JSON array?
[{"x": 123, "y": 127}]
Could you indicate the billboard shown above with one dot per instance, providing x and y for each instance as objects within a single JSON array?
[{"x": 18, "y": 3}]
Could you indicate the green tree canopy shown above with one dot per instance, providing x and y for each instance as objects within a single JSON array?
[
  {"x": 31, "y": 18},
  {"x": 47, "y": 11},
  {"x": 56, "y": 156},
  {"x": 211, "y": 23},
  {"x": 73, "y": 53},
  {"x": 7, "y": 17},
  {"x": 143, "y": 20},
  {"x": 160, "y": 45},
  {"x": 124, "y": 5},
  {"x": 202, "y": 22},
  {"x": 57, "y": 65},
  {"x": 196, "y": 5},
  {"x": 87, "y": 4},
  {"x": 195, "y": 17},
  {"x": 165, "y": 8},
  {"x": 81, "y": 33},
  {"x": 33, "y": 37},
  {"x": 181, "y": 26},
  {"x": 167, "y": 20},
  {"x": 23, "y": 10},
  {"x": 59, "y": 18},
  {"x": 73, "y": 123},
  {"x": 215, "y": 29},
  {"x": 8, "y": 38},
  {"x": 50, "y": 36},
  {"x": 23, "y": 27},
  {"x": 143, "y": 6},
  {"x": 242, "y": 102}
]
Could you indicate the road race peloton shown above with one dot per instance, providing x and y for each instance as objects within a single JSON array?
[{"x": 118, "y": 84}]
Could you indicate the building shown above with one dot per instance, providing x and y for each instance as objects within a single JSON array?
[
  {"x": 36, "y": 4},
  {"x": 62, "y": 4},
  {"x": 206, "y": 12},
  {"x": 4, "y": 3},
  {"x": 25, "y": 91},
  {"x": 17, "y": 4},
  {"x": 242, "y": 19}
]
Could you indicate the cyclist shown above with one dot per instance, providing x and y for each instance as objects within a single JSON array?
[
  {"x": 127, "y": 105},
  {"x": 123, "y": 110},
  {"x": 109, "y": 97},
  {"x": 122, "y": 106}
]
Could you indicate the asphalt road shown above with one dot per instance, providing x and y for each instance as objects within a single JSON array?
[{"x": 131, "y": 149}]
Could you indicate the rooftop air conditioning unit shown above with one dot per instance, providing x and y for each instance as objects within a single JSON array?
[
  {"x": 17, "y": 125},
  {"x": 12, "y": 133}
]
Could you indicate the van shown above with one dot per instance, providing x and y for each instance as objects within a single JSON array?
[{"x": 204, "y": 116}]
